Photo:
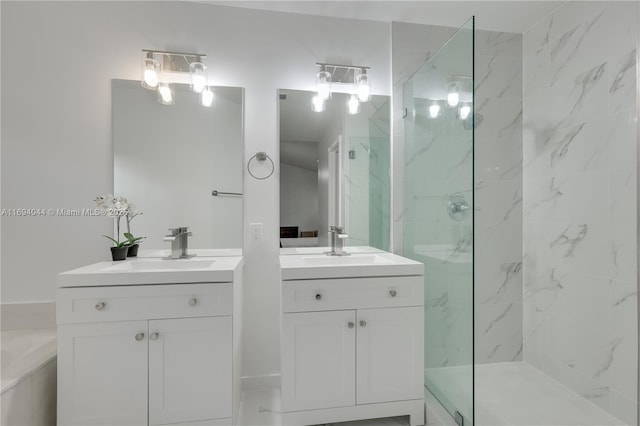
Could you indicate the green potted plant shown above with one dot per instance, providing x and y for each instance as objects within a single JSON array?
[
  {"x": 115, "y": 208},
  {"x": 132, "y": 241}
]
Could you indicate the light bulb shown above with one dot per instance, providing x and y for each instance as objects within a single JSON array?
[
  {"x": 464, "y": 112},
  {"x": 363, "y": 89},
  {"x": 354, "y": 105},
  {"x": 317, "y": 104},
  {"x": 165, "y": 95},
  {"x": 150, "y": 69},
  {"x": 207, "y": 97},
  {"x": 434, "y": 110},
  {"x": 323, "y": 85},
  {"x": 198, "y": 74},
  {"x": 453, "y": 99}
]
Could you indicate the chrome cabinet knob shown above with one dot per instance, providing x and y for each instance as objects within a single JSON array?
[
  {"x": 100, "y": 306},
  {"x": 318, "y": 296},
  {"x": 193, "y": 301},
  {"x": 139, "y": 336},
  {"x": 363, "y": 323},
  {"x": 350, "y": 324},
  {"x": 154, "y": 336},
  {"x": 393, "y": 293}
]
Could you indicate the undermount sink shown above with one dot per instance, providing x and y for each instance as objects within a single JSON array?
[
  {"x": 139, "y": 271},
  {"x": 345, "y": 260},
  {"x": 163, "y": 265},
  {"x": 321, "y": 266}
]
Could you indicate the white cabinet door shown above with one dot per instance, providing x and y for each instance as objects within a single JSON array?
[
  {"x": 189, "y": 369},
  {"x": 102, "y": 374},
  {"x": 318, "y": 360},
  {"x": 390, "y": 354}
]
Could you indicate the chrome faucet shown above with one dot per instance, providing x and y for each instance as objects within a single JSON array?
[
  {"x": 178, "y": 239},
  {"x": 337, "y": 237}
]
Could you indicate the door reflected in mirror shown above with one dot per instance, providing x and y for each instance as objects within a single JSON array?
[
  {"x": 334, "y": 171},
  {"x": 168, "y": 160}
]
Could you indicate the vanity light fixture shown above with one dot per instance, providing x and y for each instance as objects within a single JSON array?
[
  {"x": 464, "y": 111},
  {"x": 323, "y": 84},
  {"x": 354, "y": 77},
  {"x": 198, "y": 74},
  {"x": 453, "y": 98},
  {"x": 353, "y": 105},
  {"x": 363, "y": 89},
  {"x": 165, "y": 95},
  {"x": 175, "y": 67},
  {"x": 434, "y": 110},
  {"x": 453, "y": 94},
  {"x": 317, "y": 104},
  {"x": 207, "y": 97},
  {"x": 150, "y": 71}
]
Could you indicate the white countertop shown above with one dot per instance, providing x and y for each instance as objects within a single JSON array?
[
  {"x": 380, "y": 264},
  {"x": 138, "y": 271}
]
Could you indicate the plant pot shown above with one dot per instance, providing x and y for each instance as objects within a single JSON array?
[
  {"x": 133, "y": 250},
  {"x": 119, "y": 253}
]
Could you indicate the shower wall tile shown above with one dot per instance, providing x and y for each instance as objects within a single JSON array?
[
  {"x": 499, "y": 77},
  {"x": 498, "y": 332},
  {"x": 498, "y": 197},
  {"x": 580, "y": 201},
  {"x": 492, "y": 43}
]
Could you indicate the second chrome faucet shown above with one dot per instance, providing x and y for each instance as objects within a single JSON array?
[{"x": 336, "y": 238}]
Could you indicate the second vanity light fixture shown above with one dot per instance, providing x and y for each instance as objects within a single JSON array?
[
  {"x": 159, "y": 66},
  {"x": 349, "y": 75}
]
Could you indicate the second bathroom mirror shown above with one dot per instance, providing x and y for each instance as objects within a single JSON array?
[
  {"x": 168, "y": 160},
  {"x": 334, "y": 171}
]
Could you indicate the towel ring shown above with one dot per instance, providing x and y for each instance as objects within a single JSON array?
[{"x": 260, "y": 156}]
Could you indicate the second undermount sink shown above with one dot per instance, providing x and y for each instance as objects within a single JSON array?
[
  {"x": 356, "y": 265},
  {"x": 163, "y": 265}
]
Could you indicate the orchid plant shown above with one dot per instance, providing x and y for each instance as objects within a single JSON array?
[{"x": 117, "y": 208}]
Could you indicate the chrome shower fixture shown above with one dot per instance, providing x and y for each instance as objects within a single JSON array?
[{"x": 160, "y": 68}]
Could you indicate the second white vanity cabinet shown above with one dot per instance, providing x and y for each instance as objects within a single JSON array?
[
  {"x": 352, "y": 348},
  {"x": 149, "y": 354}
]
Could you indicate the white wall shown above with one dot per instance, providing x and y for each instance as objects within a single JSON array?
[
  {"x": 56, "y": 138},
  {"x": 298, "y": 197}
]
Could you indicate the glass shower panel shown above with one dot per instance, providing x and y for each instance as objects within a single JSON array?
[
  {"x": 368, "y": 137},
  {"x": 438, "y": 214}
]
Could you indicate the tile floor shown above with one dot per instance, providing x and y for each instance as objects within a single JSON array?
[
  {"x": 508, "y": 394},
  {"x": 262, "y": 408}
]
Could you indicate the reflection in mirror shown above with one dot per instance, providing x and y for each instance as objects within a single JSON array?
[
  {"x": 169, "y": 158},
  {"x": 334, "y": 171}
]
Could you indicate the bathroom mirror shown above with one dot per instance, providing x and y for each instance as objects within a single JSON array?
[
  {"x": 168, "y": 159},
  {"x": 334, "y": 170}
]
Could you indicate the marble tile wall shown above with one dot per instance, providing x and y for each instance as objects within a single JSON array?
[
  {"x": 579, "y": 209},
  {"x": 498, "y": 197},
  {"x": 498, "y": 165}
]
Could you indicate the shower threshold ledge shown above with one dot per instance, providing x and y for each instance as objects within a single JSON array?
[{"x": 518, "y": 394}]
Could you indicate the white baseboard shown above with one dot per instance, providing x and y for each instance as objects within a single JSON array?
[{"x": 253, "y": 383}]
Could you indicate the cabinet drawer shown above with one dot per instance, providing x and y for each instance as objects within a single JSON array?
[
  {"x": 98, "y": 304},
  {"x": 352, "y": 293}
]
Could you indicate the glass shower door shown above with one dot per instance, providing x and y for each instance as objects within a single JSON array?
[{"x": 438, "y": 214}]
